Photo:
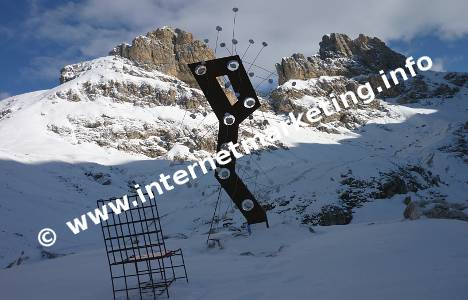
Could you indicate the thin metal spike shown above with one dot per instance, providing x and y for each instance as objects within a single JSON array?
[
  {"x": 223, "y": 45},
  {"x": 245, "y": 51},
  {"x": 233, "y": 47},
  {"x": 251, "y": 42},
  {"x": 257, "y": 66},
  {"x": 268, "y": 78},
  {"x": 218, "y": 29},
  {"x": 260, "y": 77},
  {"x": 264, "y": 44}
]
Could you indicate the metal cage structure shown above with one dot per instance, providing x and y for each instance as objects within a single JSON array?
[{"x": 140, "y": 265}]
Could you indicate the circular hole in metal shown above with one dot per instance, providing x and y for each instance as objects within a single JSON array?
[
  {"x": 225, "y": 146},
  {"x": 233, "y": 65},
  {"x": 224, "y": 173},
  {"x": 249, "y": 102},
  {"x": 247, "y": 205},
  {"x": 200, "y": 70},
  {"x": 229, "y": 119}
]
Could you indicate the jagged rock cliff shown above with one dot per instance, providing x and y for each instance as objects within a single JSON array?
[
  {"x": 165, "y": 49},
  {"x": 342, "y": 64},
  {"x": 341, "y": 56}
]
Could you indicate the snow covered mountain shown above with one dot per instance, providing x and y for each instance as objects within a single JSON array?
[{"x": 125, "y": 118}]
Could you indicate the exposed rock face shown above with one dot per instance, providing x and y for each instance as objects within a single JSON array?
[
  {"x": 458, "y": 79},
  {"x": 329, "y": 215},
  {"x": 459, "y": 144},
  {"x": 121, "y": 80},
  {"x": 334, "y": 215},
  {"x": 341, "y": 56},
  {"x": 167, "y": 50},
  {"x": 371, "y": 52},
  {"x": 131, "y": 135},
  {"x": 341, "y": 66},
  {"x": 412, "y": 211},
  {"x": 446, "y": 210},
  {"x": 317, "y": 88},
  {"x": 440, "y": 209}
]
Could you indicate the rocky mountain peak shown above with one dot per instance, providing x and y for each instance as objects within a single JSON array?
[
  {"x": 370, "y": 51},
  {"x": 340, "y": 55},
  {"x": 168, "y": 50},
  {"x": 342, "y": 64}
]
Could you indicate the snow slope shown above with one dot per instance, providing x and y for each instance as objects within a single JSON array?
[
  {"x": 394, "y": 260},
  {"x": 87, "y": 139}
]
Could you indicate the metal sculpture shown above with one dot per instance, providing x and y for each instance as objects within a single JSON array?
[{"x": 230, "y": 116}]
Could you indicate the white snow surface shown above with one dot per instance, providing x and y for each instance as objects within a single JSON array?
[
  {"x": 395, "y": 260},
  {"x": 377, "y": 256}
]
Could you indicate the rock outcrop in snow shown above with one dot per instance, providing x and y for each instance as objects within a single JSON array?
[
  {"x": 137, "y": 111},
  {"x": 341, "y": 56},
  {"x": 167, "y": 50},
  {"x": 360, "y": 60},
  {"x": 341, "y": 65}
]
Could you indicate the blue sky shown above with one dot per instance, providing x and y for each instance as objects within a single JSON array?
[
  {"x": 40, "y": 36},
  {"x": 449, "y": 55}
]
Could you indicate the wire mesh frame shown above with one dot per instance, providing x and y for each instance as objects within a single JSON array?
[{"x": 139, "y": 263}]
